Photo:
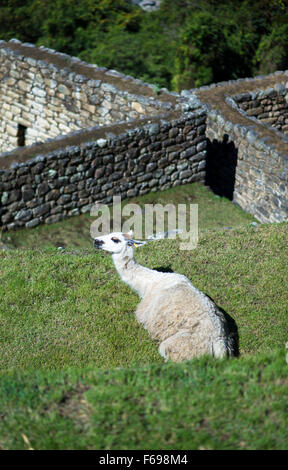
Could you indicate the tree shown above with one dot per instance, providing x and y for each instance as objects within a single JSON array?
[{"x": 204, "y": 54}]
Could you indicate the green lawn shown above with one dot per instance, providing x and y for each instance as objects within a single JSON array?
[
  {"x": 64, "y": 309},
  {"x": 214, "y": 213},
  {"x": 78, "y": 371},
  {"x": 204, "y": 404}
]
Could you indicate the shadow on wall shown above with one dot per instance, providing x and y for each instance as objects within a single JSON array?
[{"x": 221, "y": 166}]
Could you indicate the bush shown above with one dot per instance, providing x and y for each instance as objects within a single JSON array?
[
  {"x": 185, "y": 43},
  {"x": 272, "y": 52}
]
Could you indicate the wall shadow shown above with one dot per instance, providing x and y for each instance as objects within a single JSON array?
[{"x": 221, "y": 166}]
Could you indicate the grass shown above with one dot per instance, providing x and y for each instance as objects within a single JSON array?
[
  {"x": 64, "y": 309},
  {"x": 78, "y": 372},
  {"x": 214, "y": 213},
  {"x": 206, "y": 404}
]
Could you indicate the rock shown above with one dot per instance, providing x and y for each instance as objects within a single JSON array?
[
  {"x": 32, "y": 223},
  {"x": 41, "y": 210},
  {"x": 23, "y": 215}
]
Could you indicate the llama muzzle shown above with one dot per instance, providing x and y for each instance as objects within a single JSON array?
[{"x": 98, "y": 243}]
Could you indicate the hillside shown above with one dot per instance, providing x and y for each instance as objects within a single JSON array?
[
  {"x": 65, "y": 309},
  {"x": 240, "y": 404},
  {"x": 78, "y": 371}
]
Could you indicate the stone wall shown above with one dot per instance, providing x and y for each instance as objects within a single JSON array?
[
  {"x": 68, "y": 180},
  {"x": 50, "y": 94},
  {"x": 242, "y": 167},
  {"x": 270, "y": 106},
  {"x": 129, "y": 138},
  {"x": 247, "y": 159}
]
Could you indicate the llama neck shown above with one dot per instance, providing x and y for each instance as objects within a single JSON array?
[{"x": 136, "y": 276}]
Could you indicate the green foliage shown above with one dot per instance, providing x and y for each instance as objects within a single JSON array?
[
  {"x": 74, "y": 27},
  {"x": 20, "y": 19},
  {"x": 185, "y": 43},
  {"x": 272, "y": 52},
  {"x": 202, "y": 52}
]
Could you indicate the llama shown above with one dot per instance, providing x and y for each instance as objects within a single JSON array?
[{"x": 185, "y": 321}]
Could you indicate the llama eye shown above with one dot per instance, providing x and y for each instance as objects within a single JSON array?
[{"x": 115, "y": 240}]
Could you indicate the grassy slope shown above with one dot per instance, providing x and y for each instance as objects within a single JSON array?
[
  {"x": 214, "y": 213},
  {"x": 66, "y": 315},
  {"x": 72, "y": 309},
  {"x": 240, "y": 404}
]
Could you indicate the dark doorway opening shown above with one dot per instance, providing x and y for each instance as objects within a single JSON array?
[
  {"x": 221, "y": 166},
  {"x": 21, "y": 135}
]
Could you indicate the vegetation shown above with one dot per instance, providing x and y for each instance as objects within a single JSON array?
[
  {"x": 64, "y": 309},
  {"x": 214, "y": 212},
  {"x": 60, "y": 309},
  {"x": 185, "y": 43},
  {"x": 79, "y": 372},
  {"x": 208, "y": 404}
]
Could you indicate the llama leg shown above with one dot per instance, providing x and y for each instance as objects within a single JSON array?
[
  {"x": 180, "y": 347},
  {"x": 185, "y": 345}
]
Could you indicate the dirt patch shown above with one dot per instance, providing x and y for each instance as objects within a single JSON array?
[{"x": 74, "y": 406}]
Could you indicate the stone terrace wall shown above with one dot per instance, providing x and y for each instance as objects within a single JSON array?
[
  {"x": 69, "y": 180},
  {"x": 141, "y": 142},
  {"x": 246, "y": 169},
  {"x": 52, "y": 94},
  {"x": 246, "y": 159},
  {"x": 270, "y": 106}
]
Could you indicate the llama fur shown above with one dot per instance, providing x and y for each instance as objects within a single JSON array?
[{"x": 185, "y": 321}]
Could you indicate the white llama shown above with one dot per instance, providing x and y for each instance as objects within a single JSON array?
[{"x": 185, "y": 321}]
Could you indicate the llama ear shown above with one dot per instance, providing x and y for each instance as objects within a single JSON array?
[
  {"x": 128, "y": 235},
  {"x": 138, "y": 243},
  {"x": 135, "y": 243}
]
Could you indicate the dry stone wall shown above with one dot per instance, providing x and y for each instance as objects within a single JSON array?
[
  {"x": 127, "y": 139},
  {"x": 69, "y": 180},
  {"x": 241, "y": 166},
  {"x": 247, "y": 159},
  {"x": 270, "y": 106},
  {"x": 47, "y": 98}
]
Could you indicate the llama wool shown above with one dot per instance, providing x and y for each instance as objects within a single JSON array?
[{"x": 185, "y": 321}]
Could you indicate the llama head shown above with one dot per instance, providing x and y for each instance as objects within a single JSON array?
[{"x": 116, "y": 242}]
